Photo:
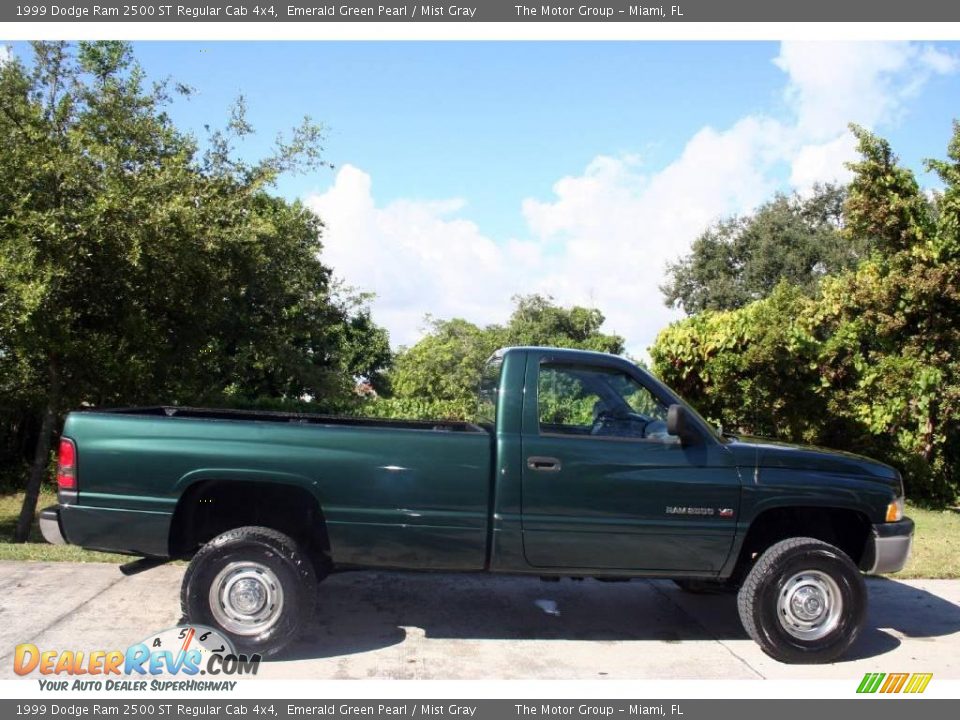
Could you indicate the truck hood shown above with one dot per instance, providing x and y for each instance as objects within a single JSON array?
[{"x": 760, "y": 453}]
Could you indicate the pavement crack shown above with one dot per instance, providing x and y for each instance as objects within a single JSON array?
[
  {"x": 66, "y": 614},
  {"x": 707, "y": 630}
]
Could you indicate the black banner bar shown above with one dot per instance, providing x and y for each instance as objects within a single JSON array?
[
  {"x": 482, "y": 11},
  {"x": 326, "y": 709}
]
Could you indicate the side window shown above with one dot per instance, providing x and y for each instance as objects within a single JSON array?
[
  {"x": 565, "y": 404},
  {"x": 597, "y": 401}
]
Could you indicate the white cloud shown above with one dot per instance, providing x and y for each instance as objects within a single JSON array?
[
  {"x": 939, "y": 61},
  {"x": 418, "y": 257},
  {"x": 823, "y": 162},
  {"x": 619, "y": 228},
  {"x": 6, "y": 54},
  {"x": 832, "y": 84},
  {"x": 605, "y": 235}
]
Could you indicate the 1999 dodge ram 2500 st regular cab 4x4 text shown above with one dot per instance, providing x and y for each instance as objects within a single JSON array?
[{"x": 584, "y": 465}]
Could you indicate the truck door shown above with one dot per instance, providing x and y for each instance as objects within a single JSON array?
[{"x": 605, "y": 486}]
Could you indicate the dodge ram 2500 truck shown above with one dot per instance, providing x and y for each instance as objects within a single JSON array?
[{"x": 583, "y": 464}]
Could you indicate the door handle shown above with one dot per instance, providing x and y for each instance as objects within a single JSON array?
[{"x": 543, "y": 464}]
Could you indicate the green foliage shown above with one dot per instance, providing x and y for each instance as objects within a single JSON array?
[
  {"x": 446, "y": 364},
  {"x": 403, "y": 408},
  {"x": 563, "y": 400},
  {"x": 713, "y": 360},
  {"x": 885, "y": 207},
  {"x": 868, "y": 363},
  {"x": 537, "y": 321},
  {"x": 741, "y": 259}
]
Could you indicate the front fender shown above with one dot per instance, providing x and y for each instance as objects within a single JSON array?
[
  {"x": 787, "y": 488},
  {"x": 771, "y": 488}
]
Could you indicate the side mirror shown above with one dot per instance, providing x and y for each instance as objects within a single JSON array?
[{"x": 678, "y": 423}]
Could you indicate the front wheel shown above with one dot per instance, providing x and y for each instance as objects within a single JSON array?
[
  {"x": 252, "y": 583},
  {"x": 804, "y": 601}
]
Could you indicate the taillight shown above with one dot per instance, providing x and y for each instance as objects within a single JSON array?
[{"x": 67, "y": 465}]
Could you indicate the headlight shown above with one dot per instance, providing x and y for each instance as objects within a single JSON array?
[{"x": 895, "y": 510}]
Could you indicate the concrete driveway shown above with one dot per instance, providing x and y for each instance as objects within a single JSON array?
[{"x": 407, "y": 625}]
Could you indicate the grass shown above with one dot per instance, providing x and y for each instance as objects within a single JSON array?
[
  {"x": 936, "y": 545},
  {"x": 36, "y": 548}
]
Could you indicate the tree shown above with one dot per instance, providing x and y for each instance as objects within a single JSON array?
[
  {"x": 885, "y": 206},
  {"x": 446, "y": 364},
  {"x": 364, "y": 345},
  {"x": 741, "y": 259},
  {"x": 748, "y": 370},
  {"x": 868, "y": 362},
  {"x": 135, "y": 268}
]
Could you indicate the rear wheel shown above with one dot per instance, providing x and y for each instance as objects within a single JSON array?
[
  {"x": 804, "y": 601},
  {"x": 252, "y": 583}
]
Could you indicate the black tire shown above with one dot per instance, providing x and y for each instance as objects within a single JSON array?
[
  {"x": 289, "y": 578},
  {"x": 759, "y": 600},
  {"x": 704, "y": 587}
]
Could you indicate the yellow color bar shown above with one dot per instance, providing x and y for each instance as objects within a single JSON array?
[{"x": 918, "y": 682}]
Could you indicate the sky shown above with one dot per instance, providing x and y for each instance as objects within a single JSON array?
[{"x": 468, "y": 172}]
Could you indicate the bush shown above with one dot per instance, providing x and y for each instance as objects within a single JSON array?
[
  {"x": 419, "y": 409},
  {"x": 867, "y": 364}
]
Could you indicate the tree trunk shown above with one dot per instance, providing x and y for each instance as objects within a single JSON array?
[{"x": 41, "y": 458}]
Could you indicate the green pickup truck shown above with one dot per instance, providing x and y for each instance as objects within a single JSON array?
[{"x": 582, "y": 464}]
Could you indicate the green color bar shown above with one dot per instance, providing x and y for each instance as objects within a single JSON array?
[{"x": 871, "y": 682}]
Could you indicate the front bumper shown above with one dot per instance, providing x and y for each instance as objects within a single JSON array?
[
  {"x": 888, "y": 547},
  {"x": 50, "y": 526}
]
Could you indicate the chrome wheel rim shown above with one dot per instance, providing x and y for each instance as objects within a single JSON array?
[
  {"x": 246, "y": 598},
  {"x": 810, "y": 605}
]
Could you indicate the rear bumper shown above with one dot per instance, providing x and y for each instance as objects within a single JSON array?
[
  {"x": 888, "y": 547},
  {"x": 127, "y": 532},
  {"x": 50, "y": 526}
]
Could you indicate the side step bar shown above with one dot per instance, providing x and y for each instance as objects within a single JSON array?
[{"x": 142, "y": 565}]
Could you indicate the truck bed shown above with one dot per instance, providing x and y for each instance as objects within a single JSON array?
[
  {"x": 399, "y": 493},
  {"x": 294, "y": 417}
]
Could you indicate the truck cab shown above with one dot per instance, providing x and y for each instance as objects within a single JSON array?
[{"x": 594, "y": 475}]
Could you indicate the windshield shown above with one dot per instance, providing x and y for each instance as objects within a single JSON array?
[{"x": 489, "y": 390}]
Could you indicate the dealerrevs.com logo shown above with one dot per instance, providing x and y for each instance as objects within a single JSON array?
[
  {"x": 180, "y": 652},
  {"x": 887, "y": 683}
]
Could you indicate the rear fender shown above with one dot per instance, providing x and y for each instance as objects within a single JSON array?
[{"x": 247, "y": 475}]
